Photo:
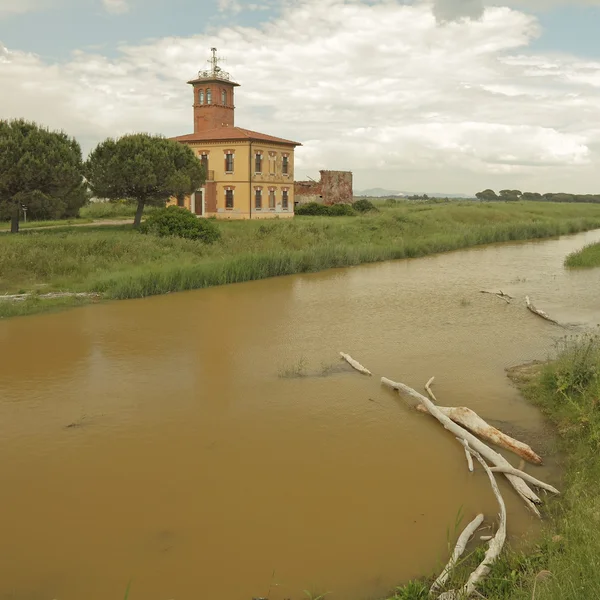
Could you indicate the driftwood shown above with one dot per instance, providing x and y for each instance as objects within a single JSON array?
[
  {"x": 473, "y": 422},
  {"x": 526, "y": 477},
  {"x": 459, "y": 550},
  {"x": 528, "y": 495},
  {"x": 494, "y": 549},
  {"x": 468, "y": 454},
  {"x": 500, "y": 295},
  {"x": 538, "y": 312},
  {"x": 49, "y": 296},
  {"x": 355, "y": 364}
]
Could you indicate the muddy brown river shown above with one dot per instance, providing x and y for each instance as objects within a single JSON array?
[{"x": 156, "y": 442}]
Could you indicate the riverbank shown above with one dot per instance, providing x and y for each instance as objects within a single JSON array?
[
  {"x": 563, "y": 564},
  {"x": 118, "y": 262},
  {"x": 586, "y": 258}
]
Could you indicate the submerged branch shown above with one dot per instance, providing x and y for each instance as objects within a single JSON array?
[
  {"x": 495, "y": 547},
  {"x": 459, "y": 550},
  {"x": 355, "y": 364}
]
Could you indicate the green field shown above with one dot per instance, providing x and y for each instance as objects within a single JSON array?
[
  {"x": 564, "y": 564},
  {"x": 118, "y": 262},
  {"x": 586, "y": 258}
]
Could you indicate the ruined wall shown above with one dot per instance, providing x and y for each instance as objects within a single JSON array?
[{"x": 335, "y": 187}]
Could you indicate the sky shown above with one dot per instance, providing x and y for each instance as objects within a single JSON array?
[{"x": 411, "y": 95}]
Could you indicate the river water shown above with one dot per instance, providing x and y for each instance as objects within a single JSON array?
[{"x": 157, "y": 442}]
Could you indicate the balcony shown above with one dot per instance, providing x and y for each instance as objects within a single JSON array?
[{"x": 210, "y": 175}]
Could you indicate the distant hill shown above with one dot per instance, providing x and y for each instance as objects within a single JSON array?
[
  {"x": 379, "y": 193},
  {"x": 382, "y": 193}
]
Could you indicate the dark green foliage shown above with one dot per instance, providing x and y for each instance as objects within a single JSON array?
[
  {"x": 41, "y": 170},
  {"x": 510, "y": 195},
  {"x": 487, "y": 195},
  {"x": 145, "y": 168},
  {"x": 314, "y": 209},
  {"x": 180, "y": 222},
  {"x": 514, "y": 195},
  {"x": 364, "y": 205},
  {"x": 341, "y": 210}
]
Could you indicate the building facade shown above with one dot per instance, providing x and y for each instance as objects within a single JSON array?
[{"x": 250, "y": 175}]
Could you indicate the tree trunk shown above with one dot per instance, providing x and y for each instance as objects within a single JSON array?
[
  {"x": 138, "y": 213},
  {"x": 14, "y": 220}
]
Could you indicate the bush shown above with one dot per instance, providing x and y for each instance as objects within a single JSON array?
[
  {"x": 180, "y": 222},
  {"x": 364, "y": 205},
  {"x": 341, "y": 210},
  {"x": 312, "y": 209}
]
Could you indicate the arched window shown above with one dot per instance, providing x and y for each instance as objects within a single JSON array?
[
  {"x": 223, "y": 97},
  {"x": 208, "y": 96},
  {"x": 201, "y": 97}
]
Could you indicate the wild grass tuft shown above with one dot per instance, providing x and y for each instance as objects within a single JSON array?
[
  {"x": 586, "y": 258},
  {"x": 294, "y": 370}
]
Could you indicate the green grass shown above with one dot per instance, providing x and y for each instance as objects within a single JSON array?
[
  {"x": 585, "y": 258},
  {"x": 564, "y": 564},
  {"x": 120, "y": 263}
]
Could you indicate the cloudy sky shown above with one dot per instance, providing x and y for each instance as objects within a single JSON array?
[{"x": 415, "y": 95}]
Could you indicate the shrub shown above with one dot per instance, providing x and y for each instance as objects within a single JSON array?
[
  {"x": 180, "y": 222},
  {"x": 364, "y": 205},
  {"x": 341, "y": 210},
  {"x": 312, "y": 209}
]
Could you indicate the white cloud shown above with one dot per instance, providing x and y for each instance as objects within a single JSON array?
[
  {"x": 116, "y": 7},
  {"x": 377, "y": 88},
  {"x": 14, "y": 7}
]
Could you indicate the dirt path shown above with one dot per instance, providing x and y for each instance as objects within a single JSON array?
[{"x": 93, "y": 223}]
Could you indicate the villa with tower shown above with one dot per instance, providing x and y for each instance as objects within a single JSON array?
[{"x": 250, "y": 175}]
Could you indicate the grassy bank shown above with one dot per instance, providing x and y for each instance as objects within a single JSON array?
[
  {"x": 565, "y": 563},
  {"x": 585, "y": 258},
  {"x": 120, "y": 263}
]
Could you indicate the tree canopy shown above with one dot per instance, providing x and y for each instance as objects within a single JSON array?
[
  {"x": 512, "y": 195},
  {"x": 40, "y": 170},
  {"x": 144, "y": 168}
]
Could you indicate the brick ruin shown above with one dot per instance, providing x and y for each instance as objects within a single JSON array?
[{"x": 334, "y": 187}]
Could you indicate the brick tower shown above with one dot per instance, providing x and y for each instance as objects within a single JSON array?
[{"x": 213, "y": 97}]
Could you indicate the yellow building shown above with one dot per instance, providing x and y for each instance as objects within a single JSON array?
[{"x": 250, "y": 175}]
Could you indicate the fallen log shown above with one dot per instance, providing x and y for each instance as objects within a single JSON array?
[
  {"x": 355, "y": 364},
  {"x": 459, "y": 550},
  {"x": 473, "y": 422},
  {"x": 494, "y": 548},
  {"x": 538, "y": 312},
  {"x": 528, "y": 495}
]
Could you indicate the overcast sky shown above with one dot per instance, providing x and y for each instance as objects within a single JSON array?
[{"x": 452, "y": 95}]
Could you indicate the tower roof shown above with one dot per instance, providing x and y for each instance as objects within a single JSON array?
[
  {"x": 231, "y": 134},
  {"x": 214, "y": 73}
]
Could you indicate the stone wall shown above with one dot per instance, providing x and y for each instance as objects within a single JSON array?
[{"x": 334, "y": 187}]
